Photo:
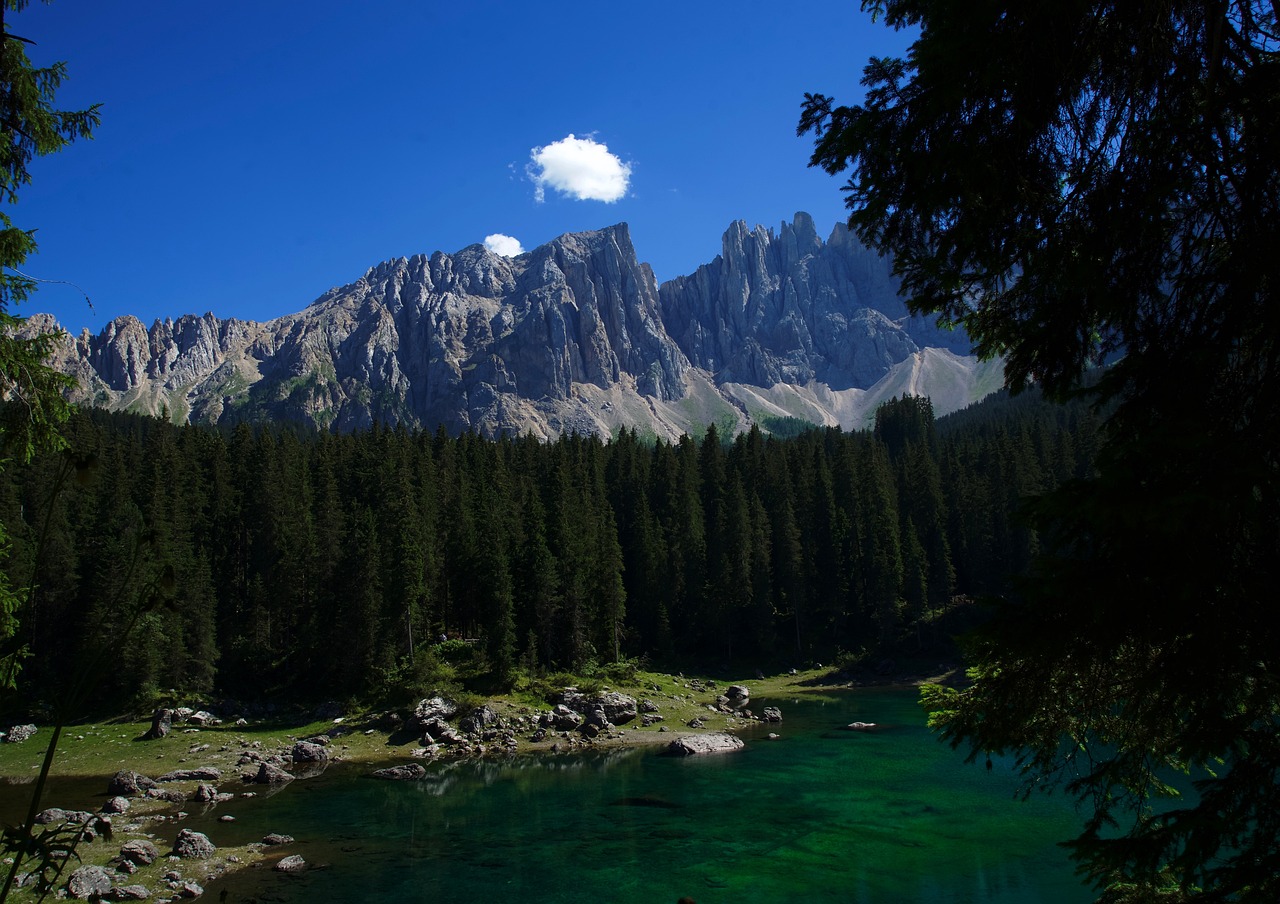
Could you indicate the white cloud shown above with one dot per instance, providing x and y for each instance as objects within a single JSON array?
[
  {"x": 580, "y": 168},
  {"x": 504, "y": 245}
]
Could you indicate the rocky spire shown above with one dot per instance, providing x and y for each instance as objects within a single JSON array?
[{"x": 573, "y": 335}]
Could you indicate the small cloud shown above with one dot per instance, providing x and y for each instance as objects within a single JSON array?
[
  {"x": 580, "y": 168},
  {"x": 504, "y": 245}
]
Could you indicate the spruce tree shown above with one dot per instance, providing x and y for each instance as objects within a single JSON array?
[{"x": 1088, "y": 182}]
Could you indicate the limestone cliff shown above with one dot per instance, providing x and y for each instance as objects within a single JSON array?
[{"x": 574, "y": 335}]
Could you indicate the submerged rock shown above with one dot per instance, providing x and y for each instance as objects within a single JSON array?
[{"x": 407, "y": 772}]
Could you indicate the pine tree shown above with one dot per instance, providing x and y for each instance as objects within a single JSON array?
[
  {"x": 880, "y": 566},
  {"x": 537, "y": 580},
  {"x": 791, "y": 588}
]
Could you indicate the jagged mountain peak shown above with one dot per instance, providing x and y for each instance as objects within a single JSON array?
[{"x": 573, "y": 335}]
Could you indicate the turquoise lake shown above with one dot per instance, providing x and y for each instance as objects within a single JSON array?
[{"x": 819, "y": 815}]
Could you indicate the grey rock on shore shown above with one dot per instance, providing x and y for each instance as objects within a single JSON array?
[
  {"x": 19, "y": 733},
  {"x": 193, "y": 845},
  {"x": 704, "y": 744},
  {"x": 125, "y": 783}
]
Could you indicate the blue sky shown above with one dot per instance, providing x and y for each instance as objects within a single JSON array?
[{"x": 252, "y": 155}]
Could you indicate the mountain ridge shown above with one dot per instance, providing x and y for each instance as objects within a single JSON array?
[{"x": 575, "y": 335}]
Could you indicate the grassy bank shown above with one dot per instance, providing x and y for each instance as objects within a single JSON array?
[{"x": 100, "y": 749}]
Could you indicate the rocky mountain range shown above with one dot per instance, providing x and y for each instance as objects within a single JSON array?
[{"x": 575, "y": 335}]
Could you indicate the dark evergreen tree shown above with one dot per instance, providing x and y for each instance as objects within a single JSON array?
[
  {"x": 1072, "y": 180},
  {"x": 880, "y": 566}
]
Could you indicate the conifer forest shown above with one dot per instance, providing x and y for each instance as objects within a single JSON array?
[{"x": 265, "y": 561}]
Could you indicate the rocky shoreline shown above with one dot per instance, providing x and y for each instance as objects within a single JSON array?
[{"x": 688, "y": 716}]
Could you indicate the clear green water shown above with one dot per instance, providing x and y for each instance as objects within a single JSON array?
[{"x": 821, "y": 815}]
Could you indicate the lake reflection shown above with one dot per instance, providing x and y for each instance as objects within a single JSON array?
[{"x": 819, "y": 815}]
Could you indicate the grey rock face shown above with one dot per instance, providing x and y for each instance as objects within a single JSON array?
[
  {"x": 139, "y": 852},
  {"x": 88, "y": 881},
  {"x": 306, "y": 752},
  {"x": 127, "y": 783},
  {"x": 161, "y": 724},
  {"x": 436, "y": 728},
  {"x": 271, "y": 775},
  {"x": 432, "y": 709},
  {"x": 131, "y": 893},
  {"x": 116, "y": 804},
  {"x": 193, "y": 845},
  {"x": 788, "y": 308},
  {"x": 481, "y": 717},
  {"x": 565, "y": 719},
  {"x": 618, "y": 708},
  {"x": 201, "y": 774},
  {"x": 575, "y": 335},
  {"x": 704, "y": 744},
  {"x": 56, "y": 815},
  {"x": 19, "y": 733},
  {"x": 173, "y": 797}
]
